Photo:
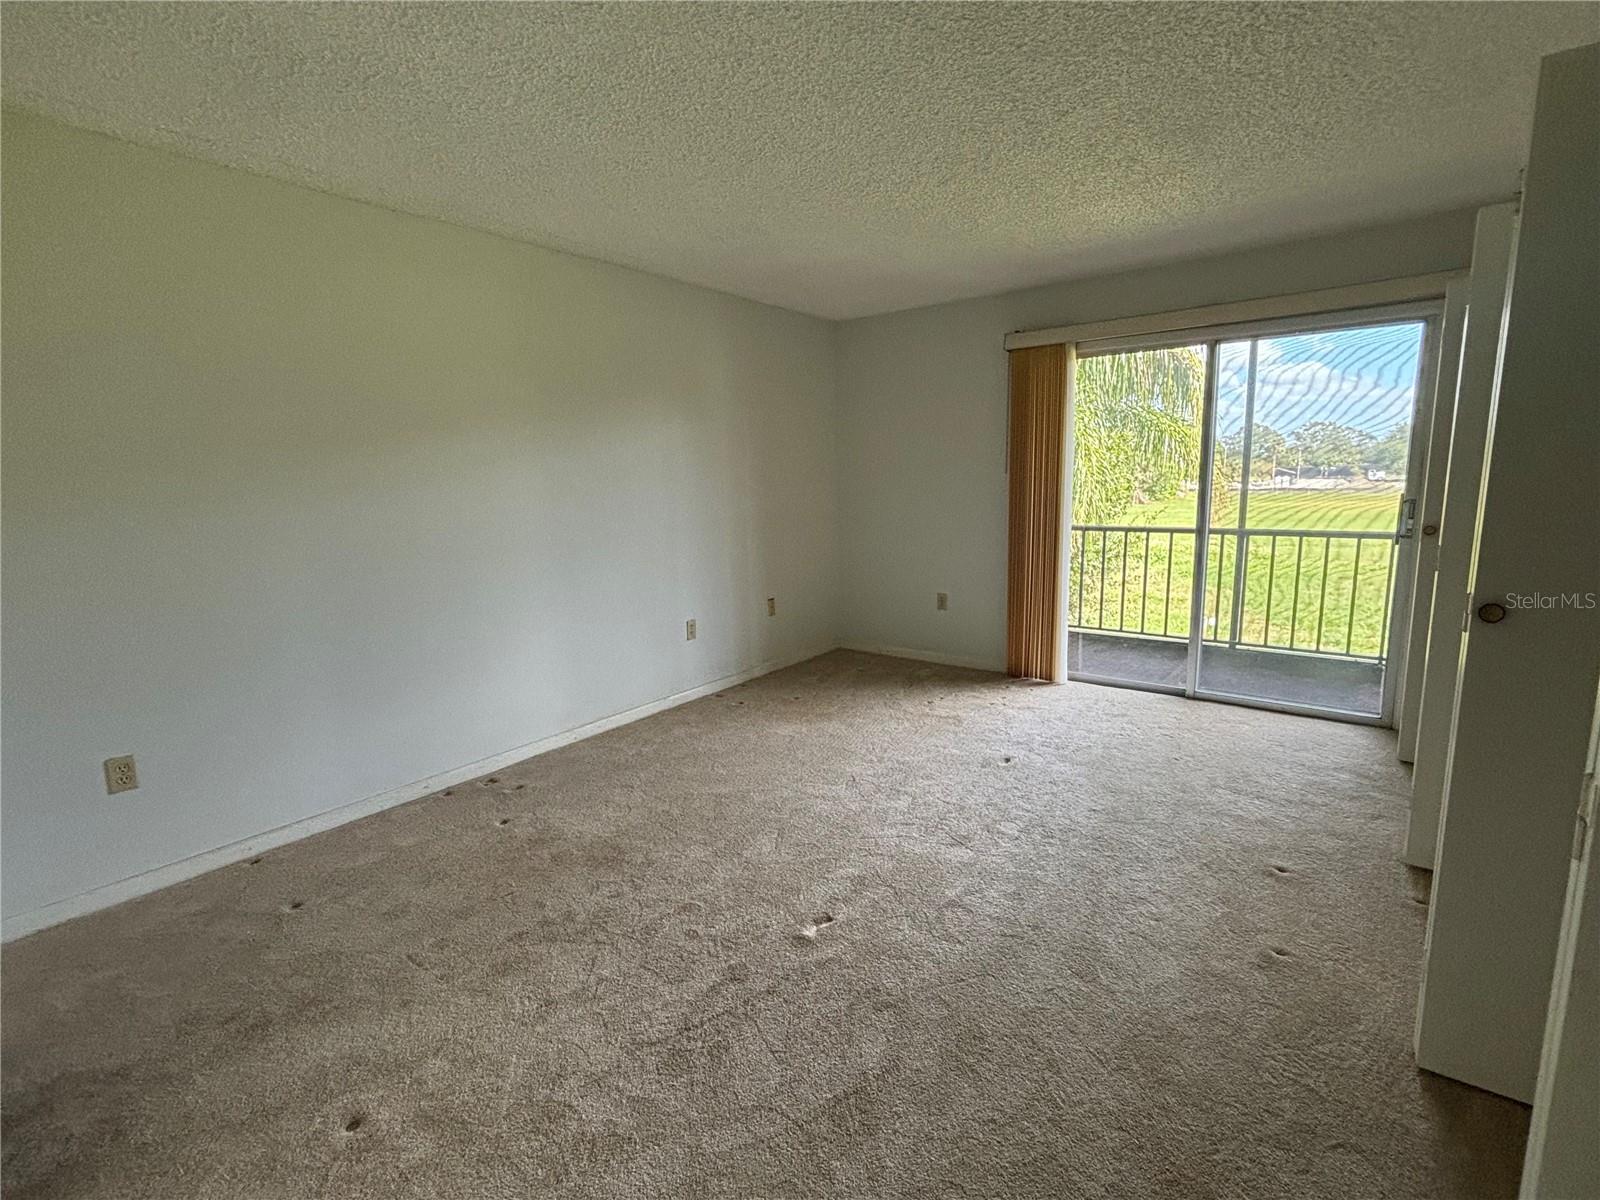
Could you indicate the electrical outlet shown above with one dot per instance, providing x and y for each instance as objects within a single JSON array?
[
  {"x": 941, "y": 601},
  {"x": 688, "y": 630},
  {"x": 121, "y": 775},
  {"x": 772, "y": 606}
]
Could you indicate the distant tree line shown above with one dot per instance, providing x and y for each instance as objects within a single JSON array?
[{"x": 1320, "y": 449}]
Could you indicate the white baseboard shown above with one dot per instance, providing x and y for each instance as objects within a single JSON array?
[
  {"x": 932, "y": 656},
  {"x": 187, "y": 868}
]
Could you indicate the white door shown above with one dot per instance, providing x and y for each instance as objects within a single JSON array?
[
  {"x": 1564, "y": 1138},
  {"x": 1531, "y": 658},
  {"x": 1493, "y": 250}
]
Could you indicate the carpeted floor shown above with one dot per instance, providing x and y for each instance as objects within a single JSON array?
[{"x": 862, "y": 928}]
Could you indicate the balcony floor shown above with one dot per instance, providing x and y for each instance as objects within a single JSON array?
[{"x": 1272, "y": 676}]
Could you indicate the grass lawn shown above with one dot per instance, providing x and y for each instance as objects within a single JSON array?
[
  {"x": 1365, "y": 507},
  {"x": 1325, "y": 592}
]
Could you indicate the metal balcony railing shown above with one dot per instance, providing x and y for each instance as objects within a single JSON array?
[{"x": 1312, "y": 591}]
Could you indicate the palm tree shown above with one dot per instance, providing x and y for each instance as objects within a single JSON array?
[{"x": 1136, "y": 429}]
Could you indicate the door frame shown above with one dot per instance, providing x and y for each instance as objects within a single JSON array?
[{"x": 1444, "y": 388}]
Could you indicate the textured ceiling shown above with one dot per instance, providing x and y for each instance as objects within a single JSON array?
[{"x": 836, "y": 159}]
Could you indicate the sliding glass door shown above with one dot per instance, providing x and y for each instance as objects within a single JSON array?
[
  {"x": 1136, "y": 439},
  {"x": 1312, "y": 447},
  {"x": 1240, "y": 513}
]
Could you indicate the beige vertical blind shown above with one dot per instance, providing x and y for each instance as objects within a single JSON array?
[{"x": 1039, "y": 377}]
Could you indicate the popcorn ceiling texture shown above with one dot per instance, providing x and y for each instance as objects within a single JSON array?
[
  {"x": 840, "y": 160},
  {"x": 863, "y": 928}
]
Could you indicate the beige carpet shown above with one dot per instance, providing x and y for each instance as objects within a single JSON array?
[{"x": 863, "y": 928}]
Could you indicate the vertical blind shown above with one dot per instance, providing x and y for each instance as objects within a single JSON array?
[{"x": 1039, "y": 380}]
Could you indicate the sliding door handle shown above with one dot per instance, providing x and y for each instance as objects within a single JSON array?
[{"x": 1408, "y": 518}]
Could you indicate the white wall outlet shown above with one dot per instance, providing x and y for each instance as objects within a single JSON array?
[
  {"x": 772, "y": 606},
  {"x": 121, "y": 776},
  {"x": 688, "y": 630},
  {"x": 941, "y": 601}
]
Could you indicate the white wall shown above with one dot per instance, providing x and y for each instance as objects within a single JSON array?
[
  {"x": 923, "y": 422},
  {"x": 306, "y": 500}
]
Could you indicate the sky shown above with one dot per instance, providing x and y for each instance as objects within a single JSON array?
[{"x": 1364, "y": 378}]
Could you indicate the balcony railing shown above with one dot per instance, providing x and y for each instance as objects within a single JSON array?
[{"x": 1315, "y": 591}]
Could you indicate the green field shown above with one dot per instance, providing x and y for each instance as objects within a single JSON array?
[
  {"x": 1365, "y": 507},
  {"x": 1300, "y": 593}
]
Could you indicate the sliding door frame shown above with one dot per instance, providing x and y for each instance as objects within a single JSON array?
[
  {"x": 1430, "y": 313},
  {"x": 1409, "y": 537},
  {"x": 1202, "y": 518},
  {"x": 1430, "y": 511}
]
